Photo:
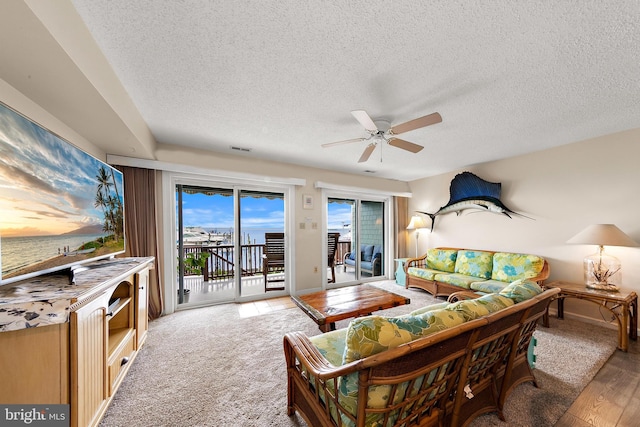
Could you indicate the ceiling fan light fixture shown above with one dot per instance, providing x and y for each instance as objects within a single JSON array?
[{"x": 381, "y": 130}]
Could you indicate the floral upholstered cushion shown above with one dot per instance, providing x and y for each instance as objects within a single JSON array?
[
  {"x": 432, "y": 307},
  {"x": 331, "y": 345},
  {"x": 475, "y": 308},
  {"x": 470, "y": 309},
  {"x": 458, "y": 279},
  {"x": 508, "y": 267},
  {"x": 495, "y": 302},
  {"x": 373, "y": 334},
  {"x": 423, "y": 273},
  {"x": 488, "y": 286},
  {"x": 521, "y": 290},
  {"x": 442, "y": 259},
  {"x": 474, "y": 263}
]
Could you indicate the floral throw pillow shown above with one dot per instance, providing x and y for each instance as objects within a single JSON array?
[
  {"x": 442, "y": 259},
  {"x": 373, "y": 334},
  {"x": 474, "y": 263},
  {"x": 508, "y": 267},
  {"x": 521, "y": 290}
]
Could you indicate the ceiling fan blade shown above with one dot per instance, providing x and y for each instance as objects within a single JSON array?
[
  {"x": 405, "y": 145},
  {"x": 346, "y": 141},
  {"x": 365, "y": 120},
  {"x": 367, "y": 152},
  {"x": 418, "y": 123}
]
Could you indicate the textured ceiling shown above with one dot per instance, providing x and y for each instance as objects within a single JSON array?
[{"x": 280, "y": 78}]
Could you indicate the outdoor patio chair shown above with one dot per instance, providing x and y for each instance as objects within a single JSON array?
[{"x": 273, "y": 260}]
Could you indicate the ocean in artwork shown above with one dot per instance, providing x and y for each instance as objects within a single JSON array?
[{"x": 19, "y": 252}]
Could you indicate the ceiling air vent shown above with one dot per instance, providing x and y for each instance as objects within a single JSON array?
[{"x": 244, "y": 150}]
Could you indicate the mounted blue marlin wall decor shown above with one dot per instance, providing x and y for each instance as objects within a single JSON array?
[{"x": 468, "y": 191}]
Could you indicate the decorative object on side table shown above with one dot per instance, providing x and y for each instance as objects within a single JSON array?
[
  {"x": 601, "y": 270},
  {"x": 416, "y": 223}
]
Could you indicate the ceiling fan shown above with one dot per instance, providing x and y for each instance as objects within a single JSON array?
[{"x": 381, "y": 130}]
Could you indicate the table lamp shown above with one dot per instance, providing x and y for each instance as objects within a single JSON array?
[
  {"x": 601, "y": 270},
  {"x": 416, "y": 223}
]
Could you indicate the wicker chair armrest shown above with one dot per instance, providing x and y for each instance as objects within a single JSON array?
[
  {"x": 297, "y": 346},
  {"x": 420, "y": 262}
]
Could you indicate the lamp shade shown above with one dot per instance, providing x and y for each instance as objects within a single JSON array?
[
  {"x": 416, "y": 223},
  {"x": 602, "y": 235},
  {"x": 601, "y": 270}
]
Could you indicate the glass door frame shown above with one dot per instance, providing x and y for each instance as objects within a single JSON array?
[
  {"x": 169, "y": 182},
  {"x": 388, "y": 226}
]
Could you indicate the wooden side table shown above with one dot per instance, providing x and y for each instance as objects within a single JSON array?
[
  {"x": 401, "y": 277},
  {"x": 623, "y": 305}
]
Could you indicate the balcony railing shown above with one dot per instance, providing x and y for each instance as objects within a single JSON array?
[{"x": 221, "y": 263}]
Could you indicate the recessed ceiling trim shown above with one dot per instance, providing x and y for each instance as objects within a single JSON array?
[
  {"x": 329, "y": 186},
  {"x": 174, "y": 167}
]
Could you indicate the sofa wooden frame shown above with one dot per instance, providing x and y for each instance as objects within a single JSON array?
[
  {"x": 488, "y": 355},
  {"x": 437, "y": 288}
]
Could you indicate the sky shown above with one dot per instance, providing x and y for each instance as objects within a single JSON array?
[
  {"x": 215, "y": 212},
  {"x": 47, "y": 185}
]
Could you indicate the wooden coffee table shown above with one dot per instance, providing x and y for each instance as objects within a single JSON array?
[{"x": 327, "y": 307}]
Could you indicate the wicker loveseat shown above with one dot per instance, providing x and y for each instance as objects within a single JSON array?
[
  {"x": 443, "y": 271},
  {"x": 444, "y": 364}
]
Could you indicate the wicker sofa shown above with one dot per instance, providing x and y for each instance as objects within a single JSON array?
[
  {"x": 443, "y": 271},
  {"x": 444, "y": 364}
]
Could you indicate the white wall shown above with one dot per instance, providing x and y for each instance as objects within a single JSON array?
[
  {"x": 23, "y": 105},
  {"x": 564, "y": 190},
  {"x": 309, "y": 242}
]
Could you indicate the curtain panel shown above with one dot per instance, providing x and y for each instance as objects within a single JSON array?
[
  {"x": 402, "y": 221},
  {"x": 141, "y": 227}
]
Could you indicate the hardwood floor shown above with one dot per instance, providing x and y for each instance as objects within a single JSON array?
[{"x": 612, "y": 398}]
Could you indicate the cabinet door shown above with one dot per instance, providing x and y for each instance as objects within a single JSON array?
[
  {"x": 88, "y": 338},
  {"x": 142, "y": 304}
]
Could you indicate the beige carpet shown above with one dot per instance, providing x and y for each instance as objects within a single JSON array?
[{"x": 210, "y": 367}]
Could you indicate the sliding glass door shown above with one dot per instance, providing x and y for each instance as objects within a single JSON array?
[
  {"x": 262, "y": 242},
  {"x": 221, "y": 236},
  {"x": 362, "y": 246},
  {"x": 206, "y": 235}
]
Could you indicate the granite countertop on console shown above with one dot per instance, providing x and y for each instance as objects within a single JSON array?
[{"x": 46, "y": 300}]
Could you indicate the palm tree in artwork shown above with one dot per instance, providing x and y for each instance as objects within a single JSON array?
[
  {"x": 104, "y": 183},
  {"x": 115, "y": 187},
  {"x": 111, "y": 206}
]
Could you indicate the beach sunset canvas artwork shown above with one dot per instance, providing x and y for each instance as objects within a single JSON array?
[{"x": 58, "y": 205}]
